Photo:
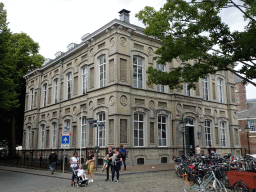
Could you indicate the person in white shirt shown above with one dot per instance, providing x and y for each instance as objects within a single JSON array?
[
  {"x": 198, "y": 151},
  {"x": 74, "y": 161},
  {"x": 81, "y": 173}
]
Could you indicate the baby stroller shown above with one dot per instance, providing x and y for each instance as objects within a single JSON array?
[{"x": 78, "y": 181}]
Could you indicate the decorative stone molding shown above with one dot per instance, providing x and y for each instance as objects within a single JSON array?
[
  {"x": 188, "y": 99},
  {"x": 112, "y": 41},
  {"x": 151, "y": 104},
  {"x": 91, "y": 104},
  {"x": 123, "y": 41},
  {"x": 123, "y": 100},
  {"x": 235, "y": 116},
  {"x": 111, "y": 100},
  {"x": 178, "y": 107},
  {"x": 150, "y": 51},
  {"x": 199, "y": 110}
]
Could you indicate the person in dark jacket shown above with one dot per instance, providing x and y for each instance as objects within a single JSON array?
[
  {"x": 110, "y": 154},
  {"x": 53, "y": 157}
]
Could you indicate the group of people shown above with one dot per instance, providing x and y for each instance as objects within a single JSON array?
[
  {"x": 211, "y": 151},
  {"x": 113, "y": 161}
]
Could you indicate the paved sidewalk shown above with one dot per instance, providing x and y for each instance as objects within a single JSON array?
[{"x": 130, "y": 170}]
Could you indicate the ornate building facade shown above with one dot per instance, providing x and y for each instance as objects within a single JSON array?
[{"x": 104, "y": 78}]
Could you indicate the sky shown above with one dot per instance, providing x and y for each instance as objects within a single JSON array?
[{"x": 54, "y": 24}]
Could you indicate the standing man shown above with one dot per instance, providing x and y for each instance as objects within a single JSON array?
[
  {"x": 109, "y": 154},
  {"x": 123, "y": 155},
  {"x": 53, "y": 157},
  {"x": 210, "y": 150}
]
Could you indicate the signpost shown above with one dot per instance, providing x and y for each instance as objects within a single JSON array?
[{"x": 64, "y": 144}]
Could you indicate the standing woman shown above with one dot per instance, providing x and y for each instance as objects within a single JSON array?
[
  {"x": 74, "y": 161},
  {"x": 90, "y": 164},
  {"x": 117, "y": 159}
]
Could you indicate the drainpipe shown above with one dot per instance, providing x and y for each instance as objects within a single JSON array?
[
  {"x": 60, "y": 101},
  {"x": 229, "y": 114}
]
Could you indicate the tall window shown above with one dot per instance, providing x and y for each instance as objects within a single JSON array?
[
  {"x": 161, "y": 130},
  {"x": 137, "y": 72},
  {"x": 54, "y": 129},
  {"x": 208, "y": 133},
  {"x": 42, "y": 135},
  {"x": 138, "y": 129},
  {"x": 29, "y": 137},
  {"x": 101, "y": 132},
  {"x": 84, "y": 79},
  {"x": 252, "y": 125},
  {"x": 56, "y": 91},
  {"x": 223, "y": 134},
  {"x": 102, "y": 66},
  {"x": 205, "y": 83},
  {"x": 31, "y": 98},
  {"x": 187, "y": 91},
  {"x": 44, "y": 94},
  {"x": 220, "y": 89},
  {"x": 83, "y": 132},
  {"x": 69, "y": 85},
  {"x": 67, "y": 124},
  {"x": 159, "y": 87}
]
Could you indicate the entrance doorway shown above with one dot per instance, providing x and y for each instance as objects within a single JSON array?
[{"x": 189, "y": 135}]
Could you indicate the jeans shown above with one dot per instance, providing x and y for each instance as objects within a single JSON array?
[
  {"x": 52, "y": 166},
  {"x": 124, "y": 163},
  {"x": 107, "y": 170},
  {"x": 115, "y": 169},
  {"x": 72, "y": 170}
]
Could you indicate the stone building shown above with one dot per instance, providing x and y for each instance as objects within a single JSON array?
[
  {"x": 246, "y": 116},
  {"x": 104, "y": 78}
]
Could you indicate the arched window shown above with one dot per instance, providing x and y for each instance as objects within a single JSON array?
[
  {"x": 29, "y": 138},
  {"x": 162, "y": 124},
  {"x": 101, "y": 132},
  {"x": 83, "y": 131},
  {"x": 54, "y": 132},
  {"x": 44, "y": 94},
  {"x": 42, "y": 135},
  {"x": 159, "y": 87},
  {"x": 55, "y": 88},
  {"x": 31, "y": 98},
  {"x": 205, "y": 87},
  {"x": 138, "y": 129}
]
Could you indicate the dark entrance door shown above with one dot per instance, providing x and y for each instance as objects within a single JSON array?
[{"x": 190, "y": 139}]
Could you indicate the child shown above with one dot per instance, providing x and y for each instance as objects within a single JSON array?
[
  {"x": 81, "y": 173},
  {"x": 106, "y": 158}
]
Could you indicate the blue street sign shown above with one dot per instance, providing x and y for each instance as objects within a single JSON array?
[{"x": 65, "y": 139}]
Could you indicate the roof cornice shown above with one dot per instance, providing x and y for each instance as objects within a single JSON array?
[{"x": 134, "y": 28}]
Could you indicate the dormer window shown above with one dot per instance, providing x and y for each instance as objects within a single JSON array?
[{"x": 71, "y": 46}]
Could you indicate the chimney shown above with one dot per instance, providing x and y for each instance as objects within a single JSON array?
[{"x": 124, "y": 15}]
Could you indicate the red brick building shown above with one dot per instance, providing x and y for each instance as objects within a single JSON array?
[{"x": 246, "y": 116}]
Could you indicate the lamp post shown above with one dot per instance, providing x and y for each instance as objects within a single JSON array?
[
  {"x": 95, "y": 123},
  {"x": 183, "y": 124},
  {"x": 247, "y": 129}
]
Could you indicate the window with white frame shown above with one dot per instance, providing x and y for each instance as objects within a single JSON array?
[
  {"x": 83, "y": 136},
  {"x": 69, "y": 85},
  {"x": 159, "y": 87},
  {"x": 137, "y": 72},
  {"x": 208, "y": 133},
  {"x": 223, "y": 134},
  {"x": 102, "y": 70},
  {"x": 138, "y": 129},
  {"x": 54, "y": 132},
  {"x": 252, "y": 125},
  {"x": 162, "y": 130},
  {"x": 67, "y": 124},
  {"x": 205, "y": 86},
  {"x": 31, "y": 98},
  {"x": 84, "y": 79},
  {"x": 42, "y": 135},
  {"x": 55, "y": 91},
  {"x": 101, "y": 132},
  {"x": 29, "y": 138},
  {"x": 187, "y": 91},
  {"x": 220, "y": 89},
  {"x": 44, "y": 94}
]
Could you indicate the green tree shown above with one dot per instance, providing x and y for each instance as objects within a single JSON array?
[
  {"x": 19, "y": 56},
  {"x": 194, "y": 31}
]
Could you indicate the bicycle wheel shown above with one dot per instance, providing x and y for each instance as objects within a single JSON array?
[
  {"x": 208, "y": 180},
  {"x": 240, "y": 187},
  {"x": 218, "y": 186}
]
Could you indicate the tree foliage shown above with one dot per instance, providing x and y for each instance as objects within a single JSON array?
[
  {"x": 18, "y": 55},
  {"x": 195, "y": 31}
]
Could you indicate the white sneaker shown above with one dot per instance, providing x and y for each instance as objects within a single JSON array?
[{"x": 92, "y": 180}]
